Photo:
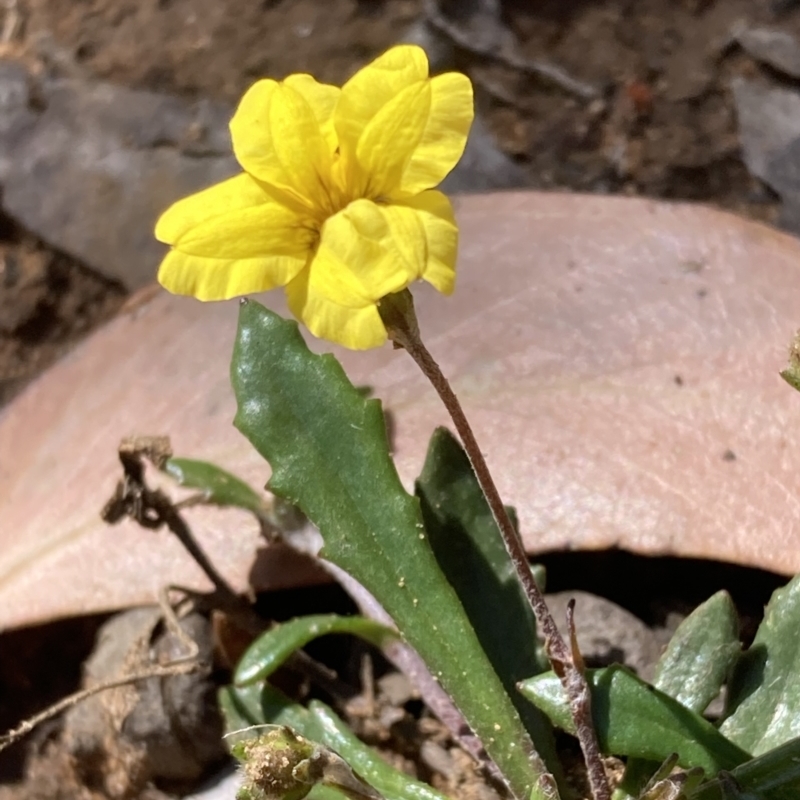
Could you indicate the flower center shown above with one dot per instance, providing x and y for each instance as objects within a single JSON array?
[{"x": 344, "y": 184}]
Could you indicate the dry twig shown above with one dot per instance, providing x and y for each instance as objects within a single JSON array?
[
  {"x": 152, "y": 509},
  {"x": 184, "y": 665}
]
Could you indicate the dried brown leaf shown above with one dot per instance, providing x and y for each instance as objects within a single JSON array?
[{"x": 619, "y": 360}]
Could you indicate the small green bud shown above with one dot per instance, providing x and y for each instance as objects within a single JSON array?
[
  {"x": 282, "y": 765},
  {"x": 792, "y": 373},
  {"x": 278, "y": 765}
]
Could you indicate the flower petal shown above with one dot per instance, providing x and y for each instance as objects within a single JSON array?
[
  {"x": 355, "y": 328},
  {"x": 232, "y": 239},
  {"x": 357, "y": 262},
  {"x": 221, "y": 279},
  {"x": 278, "y": 139},
  {"x": 441, "y": 142},
  {"x": 372, "y": 87},
  {"x": 418, "y": 237},
  {"x": 322, "y": 98},
  {"x": 405, "y": 236},
  {"x": 434, "y": 213},
  {"x": 390, "y": 138},
  {"x": 263, "y": 230},
  {"x": 416, "y": 138},
  {"x": 233, "y": 194}
]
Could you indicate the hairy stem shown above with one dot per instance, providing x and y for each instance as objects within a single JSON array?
[{"x": 397, "y": 312}]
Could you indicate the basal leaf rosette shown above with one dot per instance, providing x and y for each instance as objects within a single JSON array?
[{"x": 336, "y": 201}]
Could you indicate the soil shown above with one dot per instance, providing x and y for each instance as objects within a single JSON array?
[
  {"x": 47, "y": 303},
  {"x": 662, "y": 125}
]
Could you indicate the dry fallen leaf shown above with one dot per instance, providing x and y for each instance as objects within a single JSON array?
[{"x": 618, "y": 359}]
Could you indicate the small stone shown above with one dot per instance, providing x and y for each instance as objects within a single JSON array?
[
  {"x": 90, "y": 171},
  {"x": 776, "y": 48},
  {"x": 168, "y": 728},
  {"x": 484, "y": 166},
  {"x": 607, "y": 633},
  {"x": 435, "y": 757},
  {"x": 769, "y": 121}
]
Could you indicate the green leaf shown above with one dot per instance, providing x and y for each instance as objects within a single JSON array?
[
  {"x": 256, "y": 705},
  {"x": 772, "y": 776},
  {"x": 539, "y": 575},
  {"x": 224, "y": 489},
  {"x": 219, "y": 486},
  {"x": 634, "y": 719},
  {"x": 701, "y": 654},
  {"x": 775, "y": 775},
  {"x": 329, "y": 455},
  {"x": 470, "y": 550},
  {"x": 272, "y": 648},
  {"x": 692, "y": 670},
  {"x": 763, "y": 710},
  {"x": 792, "y": 377},
  {"x": 241, "y": 711},
  {"x": 638, "y": 772},
  {"x": 320, "y": 792}
]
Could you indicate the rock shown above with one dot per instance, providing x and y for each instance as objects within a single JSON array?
[
  {"x": 607, "y": 633},
  {"x": 769, "y": 120},
  {"x": 161, "y": 728},
  {"x": 439, "y": 49},
  {"x": 769, "y": 124},
  {"x": 16, "y": 110},
  {"x": 776, "y": 48},
  {"x": 479, "y": 24},
  {"x": 783, "y": 175},
  {"x": 484, "y": 166},
  {"x": 88, "y": 166}
]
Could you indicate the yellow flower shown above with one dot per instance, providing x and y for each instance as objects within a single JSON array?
[{"x": 335, "y": 202}]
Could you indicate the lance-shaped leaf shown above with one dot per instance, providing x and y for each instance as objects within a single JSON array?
[
  {"x": 222, "y": 488},
  {"x": 254, "y": 705},
  {"x": 634, "y": 719},
  {"x": 700, "y": 654},
  {"x": 470, "y": 550},
  {"x": 219, "y": 487},
  {"x": 328, "y": 450},
  {"x": 764, "y": 694},
  {"x": 692, "y": 670},
  {"x": 272, "y": 648}
]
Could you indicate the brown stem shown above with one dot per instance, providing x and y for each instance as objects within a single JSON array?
[
  {"x": 397, "y": 312},
  {"x": 152, "y": 509}
]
